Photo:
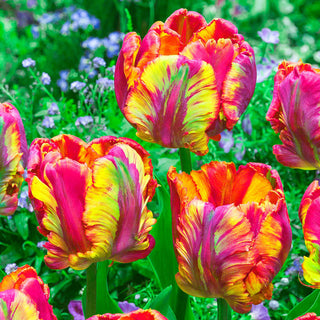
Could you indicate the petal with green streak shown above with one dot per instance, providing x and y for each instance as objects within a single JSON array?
[
  {"x": 299, "y": 97},
  {"x": 118, "y": 185},
  {"x": 232, "y": 252},
  {"x": 174, "y": 103}
]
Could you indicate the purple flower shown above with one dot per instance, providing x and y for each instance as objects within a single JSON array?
[
  {"x": 269, "y": 36},
  {"x": 263, "y": 72},
  {"x": 75, "y": 309},
  {"x": 92, "y": 43},
  {"x": 26, "y": 63},
  {"x": 45, "y": 78},
  {"x": 10, "y": 267},
  {"x": 259, "y": 312},
  {"x": 48, "y": 122},
  {"x": 32, "y": 3},
  {"x": 62, "y": 84},
  {"x": 23, "y": 201},
  {"x": 77, "y": 85},
  {"x": 226, "y": 142},
  {"x": 53, "y": 109},
  {"x": 35, "y": 31},
  {"x": 274, "y": 304},
  {"x": 127, "y": 307},
  {"x": 240, "y": 150},
  {"x": 85, "y": 120},
  {"x": 98, "y": 62},
  {"x": 48, "y": 18},
  {"x": 246, "y": 125},
  {"x": 295, "y": 268},
  {"x": 105, "y": 83},
  {"x": 64, "y": 74},
  {"x": 41, "y": 244},
  {"x": 24, "y": 18}
]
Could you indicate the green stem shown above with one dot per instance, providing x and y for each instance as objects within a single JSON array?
[
  {"x": 155, "y": 274},
  {"x": 185, "y": 159},
  {"x": 91, "y": 297},
  {"x": 224, "y": 311},
  {"x": 182, "y": 306}
]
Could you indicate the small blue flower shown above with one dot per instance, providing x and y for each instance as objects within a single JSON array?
[
  {"x": 127, "y": 307},
  {"x": 105, "y": 83},
  {"x": 48, "y": 122},
  {"x": 269, "y": 36},
  {"x": 98, "y": 62},
  {"x": 53, "y": 109},
  {"x": 64, "y": 74},
  {"x": 246, "y": 125},
  {"x": 32, "y": 3},
  {"x": 239, "y": 149},
  {"x": 92, "y": 43},
  {"x": 26, "y": 63},
  {"x": 41, "y": 244},
  {"x": 24, "y": 202},
  {"x": 35, "y": 31},
  {"x": 274, "y": 304},
  {"x": 65, "y": 29},
  {"x": 10, "y": 267},
  {"x": 259, "y": 312},
  {"x": 62, "y": 84},
  {"x": 45, "y": 78},
  {"x": 85, "y": 120},
  {"x": 226, "y": 142},
  {"x": 77, "y": 85}
]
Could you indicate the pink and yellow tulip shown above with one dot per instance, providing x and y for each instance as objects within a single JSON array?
[
  {"x": 134, "y": 315},
  {"x": 231, "y": 231},
  {"x": 24, "y": 296},
  {"x": 13, "y": 157},
  {"x": 294, "y": 113},
  {"x": 90, "y": 199},
  {"x": 308, "y": 316},
  {"x": 310, "y": 220},
  {"x": 186, "y": 81}
]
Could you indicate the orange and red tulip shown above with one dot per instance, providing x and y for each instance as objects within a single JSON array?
[
  {"x": 24, "y": 296},
  {"x": 134, "y": 315},
  {"x": 231, "y": 231}
]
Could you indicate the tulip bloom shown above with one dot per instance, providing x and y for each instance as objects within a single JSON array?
[
  {"x": 90, "y": 199},
  {"x": 135, "y": 315},
  {"x": 231, "y": 231},
  {"x": 13, "y": 157},
  {"x": 24, "y": 296},
  {"x": 295, "y": 114},
  {"x": 308, "y": 316},
  {"x": 309, "y": 217},
  {"x": 186, "y": 81}
]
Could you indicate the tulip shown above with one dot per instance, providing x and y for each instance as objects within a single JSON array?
[
  {"x": 13, "y": 157},
  {"x": 295, "y": 114},
  {"x": 231, "y": 231},
  {"x": 90, "y": 199},
  {"x": 309, "y": 217},
  {"x": 308, "y": 316},
  {"x": 24, "y": 296},
  {"x": 186, "y": 81},
  {"x": 135, "y": 315}
]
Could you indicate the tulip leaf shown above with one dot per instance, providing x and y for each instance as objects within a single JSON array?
[
  {"x": 162, "y": 256},
  {"x": 309, "y": 304},
  {"x": 161, "y": 303},
  {"x": 2, "y": 274}
]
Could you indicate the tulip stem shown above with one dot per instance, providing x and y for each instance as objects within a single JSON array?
[
  {"x": 185, "y": 160},
  {"x": 224, "y": 311},
  {"x": 91, "y": 302}
]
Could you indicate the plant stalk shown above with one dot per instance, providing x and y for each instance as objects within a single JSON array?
[
  {"x": 91, "y": 297},
  {"x": 185, "y": 160},
  {"x": 224, "y": 311}
]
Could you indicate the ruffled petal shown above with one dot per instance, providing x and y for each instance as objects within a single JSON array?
[{"x": 174, "y": 103}]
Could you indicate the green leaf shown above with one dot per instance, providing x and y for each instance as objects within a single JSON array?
[
  {"x": 21, "y": 221},
  {"x": 309, "y": 304},
  {"x": 163, "y": 251},
  {"x": 2, "y": 274},
  {"x": 10, "y": 255},
  {"x": 161, "y": 303}
]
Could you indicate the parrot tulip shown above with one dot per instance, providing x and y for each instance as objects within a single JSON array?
[
  {"x": 295, "y": 114},
  {"x": 134, "y": 315},
  {"x": 90, "y": 199},
  {"x": 309, "y": 217},
  {"x": 24, "y": 296},
  {"x": 231, "y": 231},
  {"x": 13, "y": 157},
  {"x": 186, "y": 81}
]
